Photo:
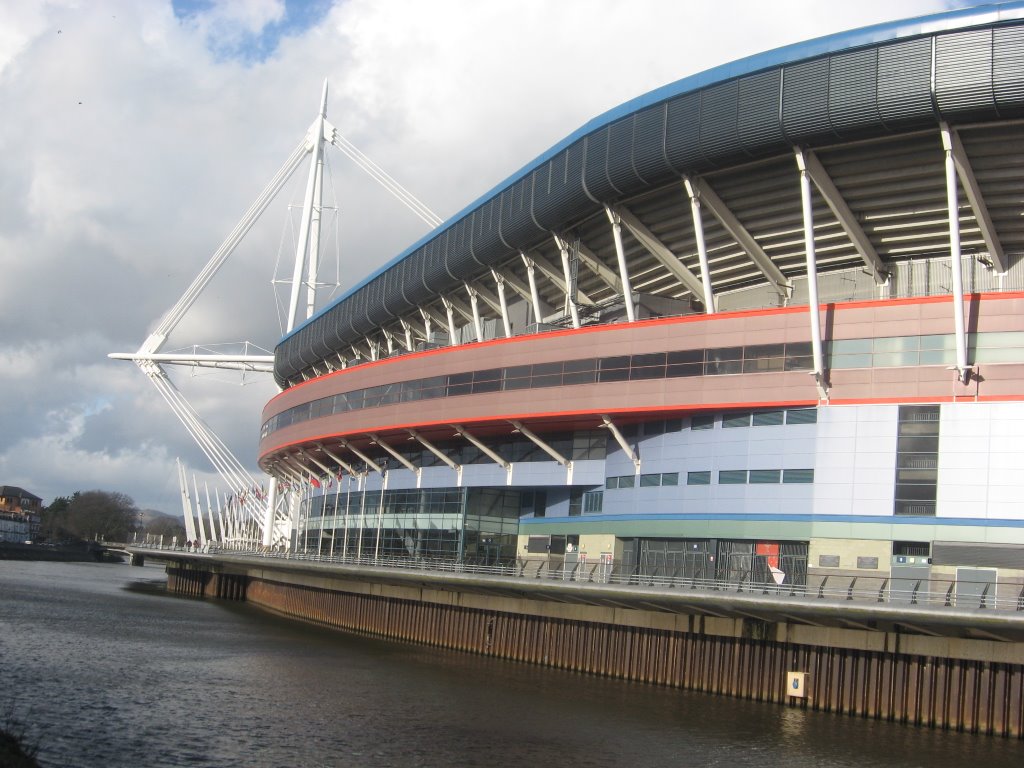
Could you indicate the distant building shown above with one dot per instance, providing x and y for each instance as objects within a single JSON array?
[{"x": 20, "y": 513}]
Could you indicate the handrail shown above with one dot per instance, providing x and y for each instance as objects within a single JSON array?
[{"x": 935, "y": 593}]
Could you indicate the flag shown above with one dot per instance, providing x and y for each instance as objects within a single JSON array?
[{"x": 314, "y": 482}]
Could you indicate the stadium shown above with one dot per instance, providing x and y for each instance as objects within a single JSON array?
[{"x": 760, "y": 324}]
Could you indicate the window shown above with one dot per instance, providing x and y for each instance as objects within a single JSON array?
[
  {"x": 702, "y": 477},
  {"x": 764, "y": 476},
  {"x": 647, "y": 481},
  {"x": 802, "y": 416},
  {"x": 593, "y": 502},
  {"x": 627, "y": 481},
  {"x": 768, "y": 418},
  {"x": 917, "y": 449},
  {"x": 790, "y": 476},
  {"x": 670, "y": 478},
  {"x": 735, "y": 420},
  {"x": 732, "y": 477},
  {"x": 611, "y": 483},
  {"x": 702, "y": 421}
]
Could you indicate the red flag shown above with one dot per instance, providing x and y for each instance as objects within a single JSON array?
[{"x": 314, "y": 482}]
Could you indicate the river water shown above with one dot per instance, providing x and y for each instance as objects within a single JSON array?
[{"x": 104, "y": 669}]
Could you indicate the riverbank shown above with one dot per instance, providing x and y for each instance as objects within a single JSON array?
[{"x": 82, "y": 552}]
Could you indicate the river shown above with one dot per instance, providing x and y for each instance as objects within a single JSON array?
[{"x": 105, "y": 669}]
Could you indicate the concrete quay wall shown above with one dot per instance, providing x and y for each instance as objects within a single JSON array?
[{"x": 964, "y": 683}]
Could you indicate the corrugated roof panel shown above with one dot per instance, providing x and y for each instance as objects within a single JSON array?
[
  {"x": 963, "y": 74},
  {"x": 853, "y": 92},
  {"x": 904, "y": 83},
  {"x": 759, "y": 104},
  {"x": 805, "y": 101},
  {"x": 719, "y": 119},
  {"x": 1008, "y": 69}
]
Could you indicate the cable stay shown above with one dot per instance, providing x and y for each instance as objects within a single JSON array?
[{"x": 256, "y": 515}]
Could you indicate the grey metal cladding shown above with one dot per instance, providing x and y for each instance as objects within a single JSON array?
[
  {"x": 393, "y": 300},
  {"x": 904, "y": 83},
  {"x": 805, "y": 101},
  {"x": 321, "y": 348},
  {"x": 963, "y": 74},
  {"x": 361, "y": 323},
  {"x": 758, "y": 126},
  {"x": 435, "y": 268},
  {"x": 621, "y": 172},
  {"x": 853, "y": 92},
  {"x": 376, "y": 311},
  {"x": 595, "y": 167},
  {"x": 682, "y": 134},
  {"x": 486, "y": 232},
  {"x": 415, "y": 289},
  {"x": 1008, "y": 69},
  {"x": 649, "y": 158},
  {"x": 458, "y": 250},
  {"x": 518, "y": 228},
  {"x": 563, "y": 198},
  {"x": 719, "y": 121}
]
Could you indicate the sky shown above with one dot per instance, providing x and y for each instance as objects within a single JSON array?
[{"x": 134, "y": 134}]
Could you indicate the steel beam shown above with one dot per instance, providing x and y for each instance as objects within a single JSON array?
[
  {"x": 743, "y": 238},
  {"x": 660, "y": 251},
  {"x": 808, "y": 161},
  {"x": 951, "y": 142}
]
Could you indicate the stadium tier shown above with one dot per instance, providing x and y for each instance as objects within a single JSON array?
[{"x": 764, "y": 320}]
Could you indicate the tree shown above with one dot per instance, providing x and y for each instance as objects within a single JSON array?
[
  {"x": 105, "y": 514},
  {"x": 53, "y": 520}
]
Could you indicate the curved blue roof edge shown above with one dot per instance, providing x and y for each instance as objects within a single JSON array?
[{"x": 961, "y": 18}]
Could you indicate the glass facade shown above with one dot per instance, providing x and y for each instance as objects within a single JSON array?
[{"x": 477, "y": 525}]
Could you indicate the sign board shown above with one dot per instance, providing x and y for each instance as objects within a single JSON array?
[{"x": 796, "y": 684}]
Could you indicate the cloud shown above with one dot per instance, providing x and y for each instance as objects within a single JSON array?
[{"x": 135, "y": 135}]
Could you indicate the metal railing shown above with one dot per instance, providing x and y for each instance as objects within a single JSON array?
[{"x": 937, "y": 593}]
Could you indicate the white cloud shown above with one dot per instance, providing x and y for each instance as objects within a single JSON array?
[{"x": 133, "y": 141}]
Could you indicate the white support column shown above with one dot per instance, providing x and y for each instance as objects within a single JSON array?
[
  {"x": 534, "y": 294},
  {"x": 426, "y": 323},
  {"x": 199, "y": 513},
  {"x": 565, "y": 462},
  {"x": 812, "y": 276},
  {"x": 316, "y": 138},
  {"x": 408, "y": 335},
  {"x": 500, "y": 282},
  {"x": 570, "y": 300},
  {"x": 389, "y": 339},
  {"x": 621, "y": 440},
  {"x": 374, "y": 348},
  {"x": 963, "y": 371},
  {"x": 620, "y": 254},
  {"x": 449, "y": 310},
  {"x": 478, "y": 327},
  {"x": 186, "y": 503},
  {"x": 965, "y": 173},
  {"x": 440, "y": 454},
  {"x": 380, "y": 516},
  {"x": 312, "y": 272},
  {"x": 702, "y": 249}
]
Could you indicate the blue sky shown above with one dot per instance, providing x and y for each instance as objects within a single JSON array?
[{"x": 228, "y": 38}]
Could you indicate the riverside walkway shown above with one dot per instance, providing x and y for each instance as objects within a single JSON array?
[{"x": 940, "y": 607}]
